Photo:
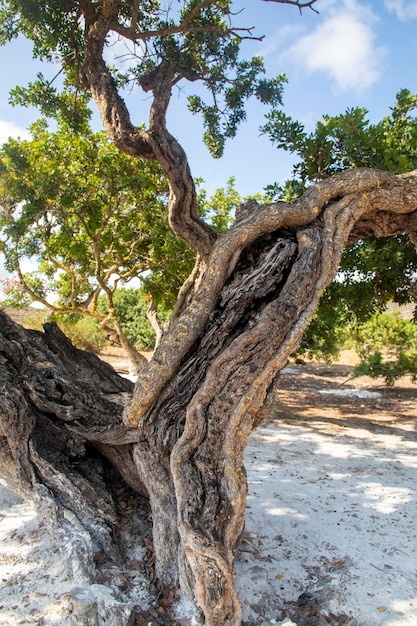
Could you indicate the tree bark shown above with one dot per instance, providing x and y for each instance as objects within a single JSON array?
[
  {"x": 181, "y": 438},
  {"x": 261, "y": 287}
]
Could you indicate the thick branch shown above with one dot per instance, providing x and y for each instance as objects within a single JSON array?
[
  {"x": 225, "y": 406},
  {"x": 183, "y": 217},
  {"x": 266, "y": 219},
  {"x": 157, "y": 143}
]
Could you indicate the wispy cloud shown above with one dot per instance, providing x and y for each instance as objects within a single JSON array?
[
  {"x": 281, "y": 37},
  {"x": 405, "y": 9},
  {"x": 9, "y": 129},
  {"x": 343, "y": 47}
]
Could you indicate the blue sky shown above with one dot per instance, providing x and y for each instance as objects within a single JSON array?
[{"x": 354, "y": 53}]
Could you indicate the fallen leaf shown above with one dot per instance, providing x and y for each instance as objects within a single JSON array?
[
  {"x": 148, "y": 543},
  {"x": 381, "y": 609},
  {"x": 134, "y": 572}
]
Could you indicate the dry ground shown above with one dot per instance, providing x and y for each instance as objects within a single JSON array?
[{"x": 331, "y": 532}]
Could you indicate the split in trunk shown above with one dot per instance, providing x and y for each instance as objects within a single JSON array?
[{"x": 180, "y": 439}]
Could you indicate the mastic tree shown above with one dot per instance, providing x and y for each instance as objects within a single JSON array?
[
  {"x": 374, "y": 271},
  {"x": 238, "y": 317},
  {"x": 89, "y": 219}
]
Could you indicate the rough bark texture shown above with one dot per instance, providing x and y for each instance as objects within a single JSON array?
[
  {"x": 55, "y": 402},
  {"x": 182, "y": 438}
]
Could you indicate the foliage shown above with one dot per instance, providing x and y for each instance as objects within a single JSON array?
[
  {"x": 15, "y": 295},
  {"x": 84, "y": 332},
  {"x": 220, "y": 207},
  {"x": 197, "y": 38},
  {"x": 387, "y": 346},
  {"x": 90, "y": 219},
  {"x": 372, "y": 272},
  {"x": 87, "y": 217},
  {"x": 349, "y": 140},
  {"x": 131, "y": 307}
]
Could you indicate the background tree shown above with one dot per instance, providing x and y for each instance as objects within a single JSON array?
[
  {"x": 238, "y": 316},
  {"x": 372, "y": 272},
  {"x": 89, "y": 219}
]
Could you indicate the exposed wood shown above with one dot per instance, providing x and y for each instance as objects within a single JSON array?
[
  {"x": 63, "y": 411},
  {"x": 181, "y": 438}
]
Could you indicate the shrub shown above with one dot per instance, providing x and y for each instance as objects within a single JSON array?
[
  {"x": 84, "y": 332},
  {"x": 131, "y": 306},
  {"x": 387, "y": 347}
]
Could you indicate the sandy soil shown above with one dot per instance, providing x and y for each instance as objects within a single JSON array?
[
  {"x": 331, "y": 529},
  {"x": 331, "y": 521}
]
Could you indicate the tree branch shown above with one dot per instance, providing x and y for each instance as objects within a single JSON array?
[
  {"x": 183, "y": 217},
  {"x": 296, "y": 3},
  {"x": 153, "y": 317},
  {"x": 157, "y": 143},
  {"x": 384, "y": 194}
]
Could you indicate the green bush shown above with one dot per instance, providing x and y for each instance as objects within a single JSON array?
[
  {"x": 131, "y": 307},
  {"x": 387, "y": 347},
  {"x": 84, "y": 332}
]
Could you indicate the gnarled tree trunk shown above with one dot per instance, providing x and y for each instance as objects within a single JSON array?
[{"x": 181, "y": 439}]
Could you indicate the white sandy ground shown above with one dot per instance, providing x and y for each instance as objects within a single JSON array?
[{"x": 334, "y": 516}]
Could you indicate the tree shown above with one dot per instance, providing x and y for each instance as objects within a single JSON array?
[
  {"x": 238, "y": 317},
  {"x": 88, "y": 218},
  {"x": 375, "y": 271}
]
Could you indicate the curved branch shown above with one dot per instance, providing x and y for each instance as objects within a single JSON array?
[
  {"x": 155, "y": 322},
  {"x": 157, "y": 143},
  {"x": 267, "y": 218},
  {"x": 183, "y": 217},
  {"x": 113, "y": 111}
]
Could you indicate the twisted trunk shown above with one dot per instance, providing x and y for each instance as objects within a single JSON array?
[{"x": 182, "y": 437}]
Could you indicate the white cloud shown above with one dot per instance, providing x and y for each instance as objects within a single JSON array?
[
  {"x": 405, "y": 9},
  {"x": 119, "y": 52},
  {"x": 343, "y": 47},
  {"x": 281, "y": 37},
  {"x": 9, "y": 129}
]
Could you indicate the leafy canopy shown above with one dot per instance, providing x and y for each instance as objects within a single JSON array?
[
  {"x": 349, "y": 140},
  {"x": 198, "y": 37},
  {"x": 372, "y": 272},
  {"x": 85, "y": 215},
  {"x": 89, "y": 220}
]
